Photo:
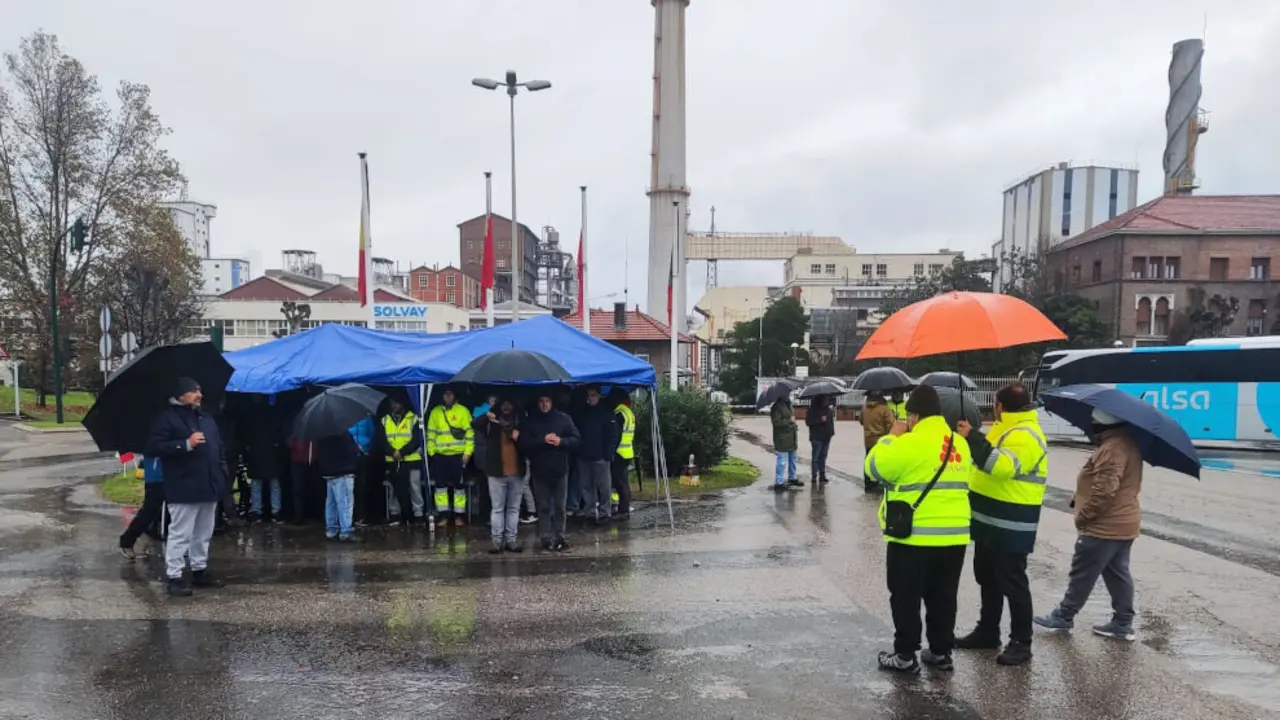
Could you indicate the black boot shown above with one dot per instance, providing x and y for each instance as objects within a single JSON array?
[
  {"x": 869, "y": 485},
  {"x": 205, "y": 579},
  {"x": 178, "y": 587},
  {"x": 979, "y": 640},
  {"x": 1015, "y": 653}
]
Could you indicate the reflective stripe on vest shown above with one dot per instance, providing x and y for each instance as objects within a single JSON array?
[
  {"x": 943, "y": 518},
  {"x": 1006, "y": 510},
  {"x": 440, "y": 439},
  {"x": 626, "y": 448}
]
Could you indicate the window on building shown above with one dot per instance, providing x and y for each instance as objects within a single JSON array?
[
  {"x": 1144, "y": 316},
  {"x": 815, "y": 269},
  {"x": 640, "y": 355},
  {"x": 1075, "y": 274},
  {"x": 1218, "y": 268},
  {"x": 471, "y": 244},
  {"x": 829, "y": 269},
  {"x": 882, "y": 270},
  {"x": 1153, "y": 267},
  {"x": 1172, "y": 268},
  {"x": 450, "y": 280},
  {"x": 935, "y": 268},
  {"x": 1066, "y": 202},
  {"x": 451, "y": 298},
  {"x": 448, "y": 327},
  {"x": 720, "y": 333},
  {"x": 866, "y": 272},
  {"x": 1139, "y": 270},
  {"x": 862, "y": 313},
  {"x": 1095, "y": 275},
  {"x": 1260, "y": 268},
  {"x": 917, "y": 269},
  {"x": 424, "y": 281},
  {"x": 501, "y": 262},
  {"x": 1160, "y": 321},
  {"x": 502, "y": 245},
  {"x": 1256, "y": 320},
  {"x": 1114, "y": 195}
]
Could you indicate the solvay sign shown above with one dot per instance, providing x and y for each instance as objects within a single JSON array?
[
  {"x": 402, "y": 311},
  {"x": 1167, "y": 399}
]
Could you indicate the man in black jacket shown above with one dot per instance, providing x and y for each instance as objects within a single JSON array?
[
  {"x": 547, "y": 439},
  {"x": 599, "y": 443},
  {"x": 337, "y": 458},
  {"x": 191, "y": 460}
]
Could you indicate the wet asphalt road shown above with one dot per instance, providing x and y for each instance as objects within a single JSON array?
[{"x": 755, "y": 606}]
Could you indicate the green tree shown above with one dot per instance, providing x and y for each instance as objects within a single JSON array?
[
  {"x": 747, "y": 348},
  {"x": 66, "y": 153},
  {"x": 1204, "y": 316}
]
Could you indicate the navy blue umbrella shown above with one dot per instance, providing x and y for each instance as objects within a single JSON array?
[{"x": 1162, "y": 440}]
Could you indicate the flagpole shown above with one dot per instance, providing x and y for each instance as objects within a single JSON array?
[
  {"x": 582, "y": 279},
  {"x": 675, "y": 310},
  {"x": 488, "y": 240},
  {"x": 366, "y": 237}
]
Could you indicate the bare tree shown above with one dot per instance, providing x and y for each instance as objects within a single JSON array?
[
  {"x": 153, "y": 286},
  {"x": 65, "y": 153},
  {"x": 295, "y": 313}
]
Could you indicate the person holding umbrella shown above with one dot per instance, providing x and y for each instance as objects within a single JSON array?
[
  {"x": 1108, "y": 519},
  {"x": 785, "y": 443},
  {"x": 877, "y": 422},
  {"x": 194, "y": 473},
  {"x": 821, "y": 421},
  {"x": 505, "y": 463}
]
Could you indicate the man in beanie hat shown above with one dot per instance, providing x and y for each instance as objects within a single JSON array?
[
  {"x": 194, "y": 471},
  {"x": 924, "y": 468},
  {"x": 1108, "y": 519},
  {"x": 549, "y": 438}
]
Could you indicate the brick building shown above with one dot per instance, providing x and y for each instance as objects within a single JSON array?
[
  {"x": 641, "y": 335},
  {"x": 1140, "y": 265},
  {"x": 445, "y": 285},
  {"x": 471, "y": 251}
]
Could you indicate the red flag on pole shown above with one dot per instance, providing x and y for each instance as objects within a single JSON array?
[{"x": 487, "y": 264}]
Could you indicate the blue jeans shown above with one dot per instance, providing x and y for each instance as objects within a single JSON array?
[
  {"x": 787, "y": 459},
  {"x": 338, "y": 501},
  {"x": 819, "y": 463},
  {"x": 255, "y": 497}
]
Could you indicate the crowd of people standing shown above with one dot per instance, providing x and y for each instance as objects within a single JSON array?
[{"x": 553, "y": 462}]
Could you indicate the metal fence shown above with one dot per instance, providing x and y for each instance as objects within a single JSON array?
[{"x": 984, "y": 395}]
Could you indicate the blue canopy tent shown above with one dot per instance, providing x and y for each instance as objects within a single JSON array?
[{"x": 333, "y": 354}]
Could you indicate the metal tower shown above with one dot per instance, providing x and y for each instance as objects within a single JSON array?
[
  {"x": 1184, "y": 120},
  {"x": 667, "y": 182}
]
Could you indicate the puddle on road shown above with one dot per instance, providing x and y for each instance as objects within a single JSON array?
[{"x": 1227, "y": 670}]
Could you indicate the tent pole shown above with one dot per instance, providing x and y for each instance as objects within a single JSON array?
[
  {"x": 666, "y": 477},
  {"x": 428, "y": 504}
]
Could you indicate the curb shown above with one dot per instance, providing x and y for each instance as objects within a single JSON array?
[
  {"x": 70, "y": 428},
  {"x": 47, "y": 460}
]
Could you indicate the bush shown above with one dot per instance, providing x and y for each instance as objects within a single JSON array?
[{"x": 691, "y": 423}]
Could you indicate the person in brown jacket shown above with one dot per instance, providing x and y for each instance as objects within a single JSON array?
[
  {"x": 1108, "y": 519},
  {"x": 877, "y": 421}
]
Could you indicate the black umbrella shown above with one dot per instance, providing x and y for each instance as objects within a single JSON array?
[
  {"x": 822, "y": 387},
  {"x": 508, "y": 367},
  {"x": 134, "y": 394},
  {"x": 950, "y": 398},
  {"x": 335, "y": 410},
  {"x": 774, "y": 393},
  {"x": 947, "y": 379},
  {"x": 883, "y": 379}
]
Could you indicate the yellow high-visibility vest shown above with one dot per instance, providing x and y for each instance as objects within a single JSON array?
[
  {"x": 440, "y": 439},
  {"x": 1008, "y": 490},
  {"x": 905, "y": 464},
  {"x": 626, "y": 448},
  {"x": 399, "y": 434}
]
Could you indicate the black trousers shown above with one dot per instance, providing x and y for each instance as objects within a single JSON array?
[
  {"x": 1003, "y": 575},
  {"x": 298, "y": 490},
  {"x": 362, "y": 481},
  {"x": 399, "y": 475},
  {"x": 618, "y": 473},
  {"x": 930, "y": 575},
  {"x": 550, "y": 493},
  {"x": 147, "y": 519}
]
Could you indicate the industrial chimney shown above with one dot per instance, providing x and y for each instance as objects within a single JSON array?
[
  {"x": 667, "y": 182},
  {"x": 1184, "y": 120}
]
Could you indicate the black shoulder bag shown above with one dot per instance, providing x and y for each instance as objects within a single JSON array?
[{"x": 899, "y": 515}]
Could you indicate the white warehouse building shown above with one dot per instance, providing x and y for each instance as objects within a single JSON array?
[{"x": 1057, "y": 203}]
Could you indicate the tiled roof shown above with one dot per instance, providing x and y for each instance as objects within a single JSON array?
[
  {"x": 1179, "y": 214},
  {"x": 639, "y": 327},
  {"x": 263, "y": 288}
]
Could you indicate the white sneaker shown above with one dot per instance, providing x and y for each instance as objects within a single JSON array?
[{"x": 529, "y": 520}]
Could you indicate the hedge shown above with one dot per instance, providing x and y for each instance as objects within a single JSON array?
[{"x": 691, "y": 423}]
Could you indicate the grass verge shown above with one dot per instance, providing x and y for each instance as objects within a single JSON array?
[
  {"x": 74, "y": 406},
  {"x": 123, "y": 488},
  {"x": 732, "y": 473}
]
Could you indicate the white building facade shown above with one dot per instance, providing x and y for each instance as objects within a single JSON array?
[
  {"x": 193, "y": 219},
  {"x": 1060, "y": 202},
  {"x": 222, "y": 274},
  {"x": 246, "y": 323}
]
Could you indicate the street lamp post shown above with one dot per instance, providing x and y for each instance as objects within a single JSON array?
[
  {"x": 513, "y": 87},
  {"x": 794, "y": 363}
]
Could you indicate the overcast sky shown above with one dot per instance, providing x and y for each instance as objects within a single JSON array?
[{"x": 893, "y": 125}]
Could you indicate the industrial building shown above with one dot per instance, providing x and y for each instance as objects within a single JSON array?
[{"x": 192, "y": 220}]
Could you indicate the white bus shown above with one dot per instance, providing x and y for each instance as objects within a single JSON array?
[{"x": 1224, "y": 392}]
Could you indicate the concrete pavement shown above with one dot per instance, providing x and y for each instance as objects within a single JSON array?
[{"x": 755, "y": 606}]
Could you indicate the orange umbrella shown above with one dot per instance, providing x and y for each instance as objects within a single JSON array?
[{"x": 959, "y": 321}]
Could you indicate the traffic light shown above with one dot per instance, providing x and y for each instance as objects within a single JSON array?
[
  {"x": 79, "y": 232},
  {"x": 215, "y": 337}
]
